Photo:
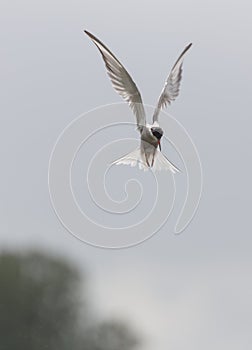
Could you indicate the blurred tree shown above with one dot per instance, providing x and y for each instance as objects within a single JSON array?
[
  {"x": 112, "y": 335},
  {"x": 43, "y": 306}
]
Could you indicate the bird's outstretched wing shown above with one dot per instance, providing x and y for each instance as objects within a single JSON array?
[
  {"x": 172, "y": 84},
  {"x": 122, "y": 81}
]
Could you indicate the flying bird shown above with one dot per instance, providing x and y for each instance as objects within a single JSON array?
[{"x": 148, "y": 155}]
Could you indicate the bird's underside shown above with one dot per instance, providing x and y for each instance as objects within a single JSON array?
[
  {"x": 146, "y": 161},
  {"x": 148, "y": 154}
]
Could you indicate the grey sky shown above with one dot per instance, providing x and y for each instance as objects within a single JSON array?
[{"x": 190, "y": 291}]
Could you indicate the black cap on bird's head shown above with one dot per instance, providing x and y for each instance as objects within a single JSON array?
[{"x": 158, "y": 133}]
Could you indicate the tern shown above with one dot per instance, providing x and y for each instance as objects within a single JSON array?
[{"x": 148, "y": 155}]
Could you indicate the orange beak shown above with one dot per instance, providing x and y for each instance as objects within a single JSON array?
[{"x": 159, "y": 144}]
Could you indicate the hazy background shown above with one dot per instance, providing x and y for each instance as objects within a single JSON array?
[{"x": 190, "y": 291}]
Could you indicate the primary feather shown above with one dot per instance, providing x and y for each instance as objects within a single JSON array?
[
  {"x": 172, "y": 84},
  {"x": 122, "y": 81}
]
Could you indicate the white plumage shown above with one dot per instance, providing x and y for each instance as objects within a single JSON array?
[{"x": 148, "y": 154}]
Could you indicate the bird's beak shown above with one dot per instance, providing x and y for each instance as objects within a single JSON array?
[{"x": 159, "y": 144}]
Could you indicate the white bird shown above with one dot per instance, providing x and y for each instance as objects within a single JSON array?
[{"x": 147, "y": 155}]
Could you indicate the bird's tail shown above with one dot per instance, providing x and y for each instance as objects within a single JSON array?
[
  {"x": 133, "y": 159},
  {"x": 162, "y": 163},
  {"x": 136, "y": 158}
]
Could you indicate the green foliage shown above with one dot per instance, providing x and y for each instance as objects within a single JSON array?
[{"x": 42, "y": 301}]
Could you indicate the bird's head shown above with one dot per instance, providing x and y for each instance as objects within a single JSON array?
[{"x": 157, "y": 133}]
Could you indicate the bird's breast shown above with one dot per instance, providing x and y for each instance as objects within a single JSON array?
[{"x": 147, "y": 137}]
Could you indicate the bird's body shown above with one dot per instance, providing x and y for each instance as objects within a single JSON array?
[
  {"x": 148, "y": 155},
  {"x": 150, "y": 142}
]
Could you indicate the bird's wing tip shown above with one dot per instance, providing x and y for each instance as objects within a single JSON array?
[{"x": 88, "y": 33}]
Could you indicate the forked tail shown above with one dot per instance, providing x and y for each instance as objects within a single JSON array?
[{"x": 136, "y": 158}]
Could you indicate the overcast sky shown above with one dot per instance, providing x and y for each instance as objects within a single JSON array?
[{"x": 189, "y": 291}]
